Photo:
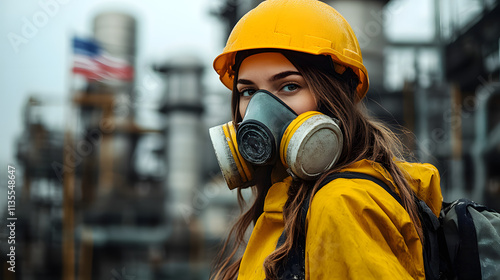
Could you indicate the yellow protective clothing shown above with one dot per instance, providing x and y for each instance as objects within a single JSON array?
[
  {"x": 356, "y": 230},
  {"x": 308, "y": 26}
]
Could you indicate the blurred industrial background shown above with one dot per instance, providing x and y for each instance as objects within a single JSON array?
[{"x": 125, "y": 185}]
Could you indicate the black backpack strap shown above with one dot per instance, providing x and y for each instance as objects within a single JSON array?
[
  {"x": 294, "y": 264},
  {"x": 465, "y": 267},
  {"x": 432, "y": 231}
]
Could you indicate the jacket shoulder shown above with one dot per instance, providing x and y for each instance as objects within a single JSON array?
[
  {"x": 425, "y": 181},
  {"x": 355, "y": 194},
  {"x": 366, "y": 229}
]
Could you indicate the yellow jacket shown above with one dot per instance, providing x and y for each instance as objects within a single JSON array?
[{"x": 356, "y": 230}]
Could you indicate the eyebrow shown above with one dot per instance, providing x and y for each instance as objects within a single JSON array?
[
  {"x": 284, "y": 74},
  {"x": 276, "y": 77}
]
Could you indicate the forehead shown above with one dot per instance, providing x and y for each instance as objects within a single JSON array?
[{"x": 265, "y": 62}]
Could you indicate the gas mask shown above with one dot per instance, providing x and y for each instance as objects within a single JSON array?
[{"x": 307, "y": 145}]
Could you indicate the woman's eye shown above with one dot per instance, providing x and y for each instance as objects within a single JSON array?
[
  {"x": 247, "y": 92},
  {"x": 290, "y": 87}
]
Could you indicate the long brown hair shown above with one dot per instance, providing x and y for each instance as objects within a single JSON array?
[{"x": 364, "y": 138}]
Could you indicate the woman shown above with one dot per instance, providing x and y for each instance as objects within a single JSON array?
[{"x": 286, "y": 59}]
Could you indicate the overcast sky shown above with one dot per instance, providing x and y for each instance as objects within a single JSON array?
[{"x": 39, "y": 64}]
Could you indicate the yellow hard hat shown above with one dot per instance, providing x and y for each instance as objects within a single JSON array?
[{"x": 308, "y": 26}]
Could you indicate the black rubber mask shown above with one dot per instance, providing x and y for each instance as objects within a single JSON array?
[{"x": 259, "y": 134}]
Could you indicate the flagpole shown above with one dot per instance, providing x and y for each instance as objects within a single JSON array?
[
  {"x": 68, "y": 223},
  {"x": 86, "y": 60}
]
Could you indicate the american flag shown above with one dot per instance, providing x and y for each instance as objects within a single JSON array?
[{"x": 90, "y": 60}]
